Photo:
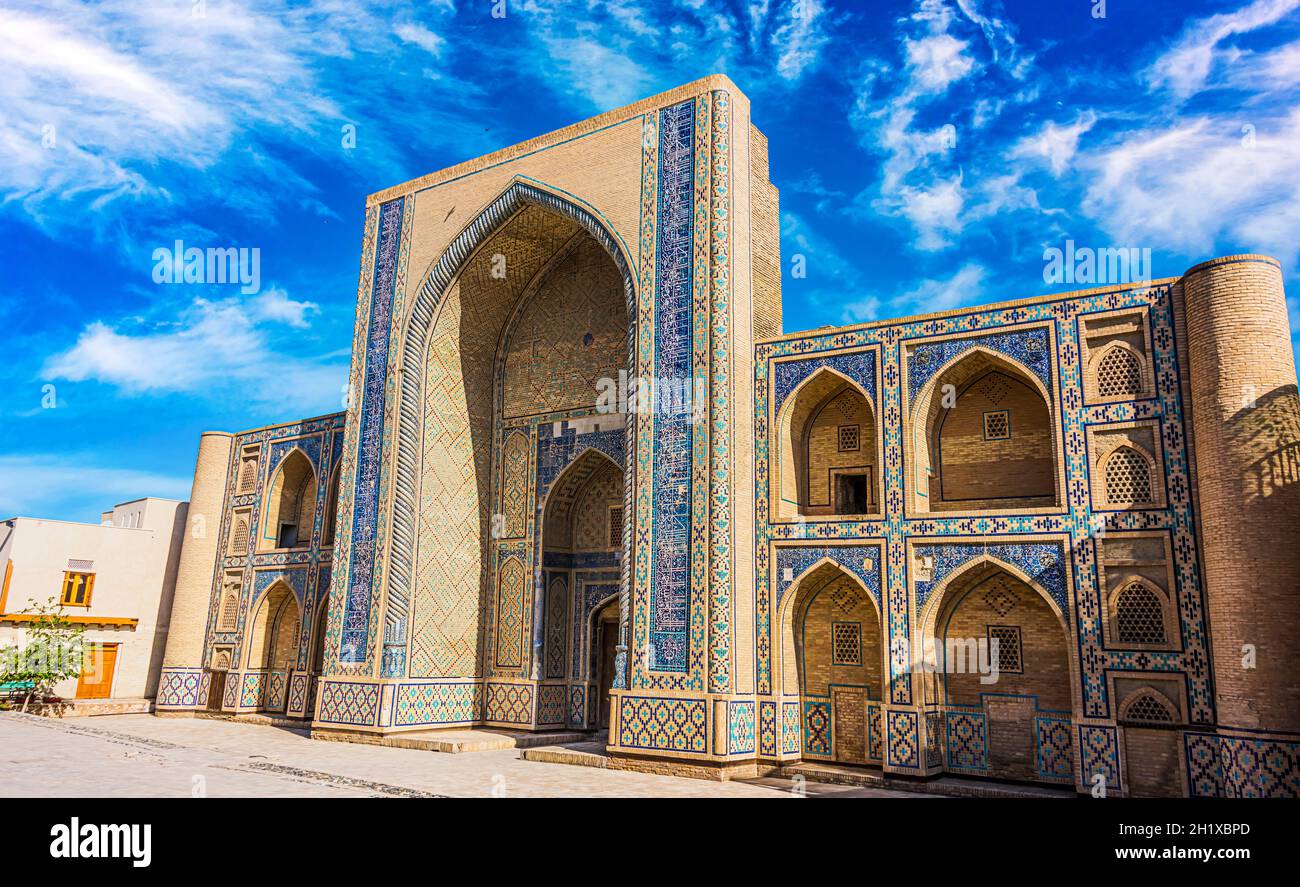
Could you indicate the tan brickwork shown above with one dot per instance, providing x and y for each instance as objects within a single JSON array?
[
  {"x": 571, "y": 333},
  {"x": 844, "y": 414},
  {"x": 1246, "y": 424},
  {"x": 975, "y": 468},
  {"x": 189, "y": 616}
]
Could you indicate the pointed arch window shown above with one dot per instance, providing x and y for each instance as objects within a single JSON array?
[
  {"x": 1119, "y": 374},
  {"x": 1128, "y": 478},
  {"x": 1139, "y": 616}
]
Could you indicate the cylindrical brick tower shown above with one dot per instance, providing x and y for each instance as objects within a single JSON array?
[
  {"x": 1245, "y": 423},
  {"x": 199, "y": 552}
]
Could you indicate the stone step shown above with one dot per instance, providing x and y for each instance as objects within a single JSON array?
[
  {"x": 947, "y": 785},
  {"x": 465, "y": 741},
  {"x": 582, "y": 754},
  {"x": 85, "y": 708}
]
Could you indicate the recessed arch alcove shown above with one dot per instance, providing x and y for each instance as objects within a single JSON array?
[
  {"x": 826, "y": 457},
  {"x": 517, "y": 321},
  {"x": 984, "y": 436},
  {"x": 995, "y": 654},
  {"x": 831, "y": 657}
]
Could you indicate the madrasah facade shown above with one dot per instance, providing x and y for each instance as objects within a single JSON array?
[{"x": 1050, "y": 540}]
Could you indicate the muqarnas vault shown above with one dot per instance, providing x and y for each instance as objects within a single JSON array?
[{"x": 782, "y": 571}]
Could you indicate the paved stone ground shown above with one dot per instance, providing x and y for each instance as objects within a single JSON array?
[{"x": 145, "y": 756}]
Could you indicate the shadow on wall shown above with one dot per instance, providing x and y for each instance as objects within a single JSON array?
[{"x": 1269, "y": 431}]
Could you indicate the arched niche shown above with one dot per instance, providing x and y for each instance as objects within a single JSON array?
[
  {"x": 827, "y": 456},
  {"x": 521, "y": 315},
  {"x": 290, "y": 504},
  {"x": 996, "y": 653},
  {"x": 832, "y": 657},
  {"x": 984, "y": 437},
  {"x": 273, "y": 630}
]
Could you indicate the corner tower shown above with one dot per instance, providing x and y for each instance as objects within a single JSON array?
[{"x": 1245, "y": 424}]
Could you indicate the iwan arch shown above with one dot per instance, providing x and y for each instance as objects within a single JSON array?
[{"x": 1102, "y": 482}]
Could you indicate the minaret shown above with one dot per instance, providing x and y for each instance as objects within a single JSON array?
[
  {"x": 189, "y": 617},
  {"x": 1245, "y": 423}
]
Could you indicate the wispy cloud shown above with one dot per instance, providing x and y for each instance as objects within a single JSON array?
[
  {"x": 1056, "y": 144},
  {"x": 123, "y": 101},
  {"x": 212, "y": 349},
  {"x": 33, "y": 485},
  {"x": 1187, "y": 66},
  {"x": 966, "y": 286},
  {"x": 920, "y": 182}
]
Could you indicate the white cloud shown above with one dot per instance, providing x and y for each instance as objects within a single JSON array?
[
  {"x": 800, "y": 38},
  {"x": 894, "y": 114},
  {"x": 212, "y": 349},
  {"x": 604, "y": 76},
  {"x": 934, "y": 210},
  {"x": 34, "y": 485},
  {"x": 275, "y": 305},
  {"x": 420, "y": 36},
  {"x": 1199, "y": 185},
  {"x": 935, "y": 62},
  {"x": 120, "y": 99},
  {"x": 1186, "y": 67},
  {"x": 965, "y": 286},
  {"x": 1056, "y": 144}
]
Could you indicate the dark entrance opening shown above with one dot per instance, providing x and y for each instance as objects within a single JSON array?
[{"x": 851, "y": 494}]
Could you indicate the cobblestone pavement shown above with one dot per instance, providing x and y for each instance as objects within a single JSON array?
[{"x": 145, "y": 756}]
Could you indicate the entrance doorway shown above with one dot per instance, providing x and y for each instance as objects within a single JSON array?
[
  {"x": 96, "y": 681},
  {"x": 605, "y": 637},
  {"x": 851, "y": 494}
]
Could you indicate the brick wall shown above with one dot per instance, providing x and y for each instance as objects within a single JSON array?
[
  {"x": 1246, "y": 425},
  {"x": 971, "y": 467}
]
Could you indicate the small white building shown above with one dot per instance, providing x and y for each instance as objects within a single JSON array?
[{"x": 116, "y": 578}]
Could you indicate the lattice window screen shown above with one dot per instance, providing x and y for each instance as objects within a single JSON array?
[
  {"x": 1009, "y": 652},
  {"x": 1118, "y": 374},
  {"x": 997, "y": 425},
  {"x": 1128, "y": 477},
  {"x": 616, "y": 526},
  {"x": 1139, "y": 616},
  {"x": 247, "y": 476},
  {"x": 1149, "y": 709},
  {"x": 846, "y": 643},
  {"x": 849, "y": 438},
  {"x": 239, "y": 539},
  {"x": 229, "y": 620}
]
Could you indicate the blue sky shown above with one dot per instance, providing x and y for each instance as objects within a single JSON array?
[{"x": 927, "y": 153}]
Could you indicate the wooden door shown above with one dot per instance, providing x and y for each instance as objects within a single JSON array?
[
  {"x": 96, "y": 680},
  {"x": 850, "y": 705},
  {"x": 608, "y": 641}
]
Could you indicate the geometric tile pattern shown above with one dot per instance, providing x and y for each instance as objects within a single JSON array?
[
  {"x": 178, "y": 688},
  {"x": 1043, "y": 563},
  {"x": 817, "y": 728},
  {"x": 671, "y": 541},
  {"x": 967, "y": 742},
  {"x": 860, "y": 366},
  {"x": 511, "y": 620},
  {"x": 365, "y": 500},
  {"x": 551, "y": 703},
  {"x": 791, "y": 728},
  {"x": 663, "y": 724},
  {"x": 1225, "y": 766},
  {"x": 348, "y": 703},
  {"x": 438, "y": 703},
  {"x": 741, "y": 733},
  {"x": 767, "y": 728},
  {"x": 903, "y": 738},
  {"x": 509, "y": 703},
  {"x": 1054, "y": 747},
  {"x": 1100, "y": 754}
]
